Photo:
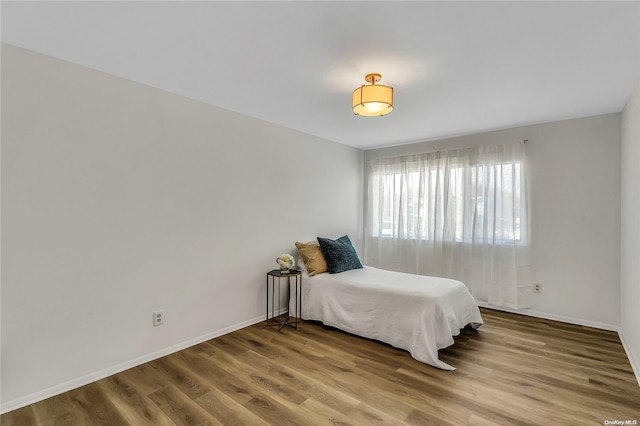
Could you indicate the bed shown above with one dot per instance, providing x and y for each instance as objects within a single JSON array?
[{"x": 420, "y": 314}]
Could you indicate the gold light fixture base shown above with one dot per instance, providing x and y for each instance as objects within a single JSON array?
[
  {"x": 372, "y": 78},
  {"x": 373, "y": 100}
]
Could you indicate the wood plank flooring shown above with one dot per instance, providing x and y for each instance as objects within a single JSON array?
[{"x": 515, "y": 370}]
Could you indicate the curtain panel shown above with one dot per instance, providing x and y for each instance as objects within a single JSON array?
[{"x": 460, "y": 214}]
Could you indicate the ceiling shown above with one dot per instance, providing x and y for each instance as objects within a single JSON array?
[{"x": 456, "y": 67}]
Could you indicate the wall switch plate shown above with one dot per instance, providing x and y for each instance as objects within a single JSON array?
[
  {"x": 158, "y": 318},
  {"x": 537, "y": 288}
]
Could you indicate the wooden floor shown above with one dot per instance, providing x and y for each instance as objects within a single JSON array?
[{"x": 513, "y": 370}]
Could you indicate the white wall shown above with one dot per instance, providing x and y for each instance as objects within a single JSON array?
[
  {"x": 119, "y": 199},
  {"x": 630, "y": 230},
  {"x": 574, "y": 176}
]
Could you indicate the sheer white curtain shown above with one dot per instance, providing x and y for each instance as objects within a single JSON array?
[{"x": 460, "y": 214}]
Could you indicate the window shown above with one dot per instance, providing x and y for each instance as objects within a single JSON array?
[{"x": 449, "y": 197}]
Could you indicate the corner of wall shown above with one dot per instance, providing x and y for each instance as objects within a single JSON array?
[{"x": 630, "y": 230}]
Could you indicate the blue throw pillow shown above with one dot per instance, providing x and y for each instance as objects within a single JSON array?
[{"x": 339, "y": 254}]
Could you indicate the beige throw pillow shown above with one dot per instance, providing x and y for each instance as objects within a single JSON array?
[{"x": 312, "y": 257}]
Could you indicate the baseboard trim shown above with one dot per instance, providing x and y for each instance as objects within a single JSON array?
[
  {"x": 635, "y": 365},
  {"x": 553, "y": 317},
  {"x": 92, "y": 377}
]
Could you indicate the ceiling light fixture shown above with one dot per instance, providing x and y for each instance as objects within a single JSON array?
[{"x": 373, "y": 100}]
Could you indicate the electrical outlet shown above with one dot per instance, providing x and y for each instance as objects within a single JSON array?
[
  {"x": 537, "y": 288},
  {"x": 158, "y": 318}
]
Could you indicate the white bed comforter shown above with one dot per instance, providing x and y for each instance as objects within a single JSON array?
[{"x": 418, "y": 313}]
